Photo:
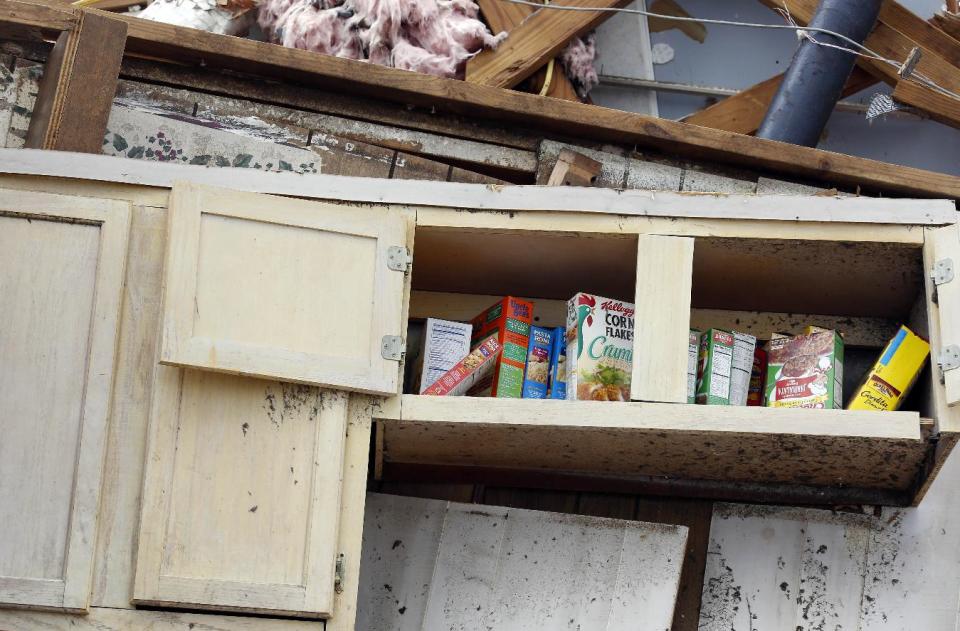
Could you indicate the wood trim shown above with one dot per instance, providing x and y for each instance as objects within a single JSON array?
[
  {"x": 78, "y": 85},
  {"x": 526, "y": 199},
  {"x": 103, "y": 619},
  {"x": 540, "y": 37}
]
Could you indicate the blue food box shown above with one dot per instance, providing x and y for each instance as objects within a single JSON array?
[
  {"x": 536, "y": 375},
  {"x": 558, "y": 365}
]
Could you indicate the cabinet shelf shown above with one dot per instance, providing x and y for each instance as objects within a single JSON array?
[{"x": 760, "y": 454}]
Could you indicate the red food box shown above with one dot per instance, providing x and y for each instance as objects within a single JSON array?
[
  {"x": 758, "y": 378},
  {"x": 468, "y": 371},
  {"x": 509, "y": 320}
]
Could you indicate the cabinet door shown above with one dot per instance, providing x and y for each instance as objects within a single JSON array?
[
  {"x": 283, "y": 289},
  {"x": 61, "y": 275},
  {"x": 241, "y": 500},
  {"x": 662, "y": 319},
  {"x": 941, "y": 256}
]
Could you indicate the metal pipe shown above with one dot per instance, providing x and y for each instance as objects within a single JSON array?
[{"x": 814, "y": 81}]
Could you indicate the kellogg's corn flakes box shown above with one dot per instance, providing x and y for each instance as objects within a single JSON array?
[{"x": 599, "y": 348}]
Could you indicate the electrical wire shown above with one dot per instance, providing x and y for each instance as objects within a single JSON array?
[{"x": 802, "y": 31}]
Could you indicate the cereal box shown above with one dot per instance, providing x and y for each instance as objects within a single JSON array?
[
  {"x": 891, "y": 378},
  {"x": 599, "y": 348},
  {"x": 741, "y": 367},
  {"x": 558, "y": 365},
  {"x": 472, "y": 368},
  {"x": 444, "y": 344},
  {"x": 693, "y": 348},
  {"x": 509, "y": 319},
  {"x": 536, "y": 377},
  {"x": 715, "y": 361},
  {"x": 758, "y": 378},
  {"x": 805, "y": 371}
]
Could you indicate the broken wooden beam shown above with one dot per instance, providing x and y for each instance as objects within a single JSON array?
[
  {"x": 537, "y": 40},
  {"x": 78, "y": 85}
]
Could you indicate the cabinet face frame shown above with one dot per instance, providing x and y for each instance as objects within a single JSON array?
[
  {"x": 112, "y": 217},
  {"x": 313, "y": 595},
  {"x": 367, "y": 371},
  {"x": 943, "y": 314}
]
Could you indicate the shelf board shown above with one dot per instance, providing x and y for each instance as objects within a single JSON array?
[{"x": 834, "y": 456}]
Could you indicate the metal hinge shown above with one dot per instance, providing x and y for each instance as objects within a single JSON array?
[
  {"x": 338, "y": 574},
  {"x": 398, "y": 258},
  {"x": 941, "y": 274},
  {"x": 949, "y": 359},
  {"x": 392, "y": 347}
]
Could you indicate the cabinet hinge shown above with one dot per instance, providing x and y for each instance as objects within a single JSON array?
[
  {"x": 949, "y": 359},
  {"x": 392, "y": 347},
  {"x": 338, "y": 574},
  {"x": 398, "y": 258}
]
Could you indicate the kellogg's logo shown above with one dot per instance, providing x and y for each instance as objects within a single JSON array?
[{"x": 617, "y": 306}]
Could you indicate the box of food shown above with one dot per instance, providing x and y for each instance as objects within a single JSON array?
[
  {"x": 599, "y": 348},
  {"x": 472, "y": 368},
  {"x": 536, "y": 377},
  {"x": 693, "y": 349},
  {"x": 714, "y": 364},
  {"x": 758, "y": 378},
  {"x": 741, "y": 367},
  {"x": 889, "y": 381},
  {"x": 558, "y": 365},
  {"x": 805, "y": 371},
  {"x": 444, "y": 344},
  {"x": 509, "y": 319}
]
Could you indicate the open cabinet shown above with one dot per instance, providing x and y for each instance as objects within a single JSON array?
[{"x": 258, "y": 339}]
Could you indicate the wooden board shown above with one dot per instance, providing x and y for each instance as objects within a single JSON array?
[
  {"x": 944, "y": 245},
  {"x": 940, "y": 107},
  {"x": 234, "y": 302},
  {"x": 242, "y": 495},
  {"x": 572, "y": 119},
  {"x": 537, "y": 39},
  {"x": 108, "y": 619},
  {"x": 662, "y": 319},
  {"x": 61, "y": 275},
  {"x": 439, "y": 565},
  {"x": 78, "y": 85},
  {"x": 816, "y": 448}
]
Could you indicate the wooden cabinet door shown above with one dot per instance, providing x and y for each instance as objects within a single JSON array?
[
  {"x": 241, "y": 500},
  {"x": 941, "y": 260},
  {"x": 61, "y": 274},
  {"x": 283, "y": 289},
  {"x": 662, "y": 318}
]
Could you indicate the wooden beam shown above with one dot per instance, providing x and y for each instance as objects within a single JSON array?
[
  {"x": 536, "y": 40},
  {"x": 506, "y": 16},
  {"x": 924, "y": 33},
  {"x": 549, "y": 116},
  {"x": 949, "y": 23},
  {"x": 742, "y": 113},
  {"x": 78, "y": 85},
  {"x": 574, "y": 169},
  {"x": 939, "y": 107}
]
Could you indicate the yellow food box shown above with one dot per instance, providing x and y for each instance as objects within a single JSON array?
[{"x": 889, "y": 381}]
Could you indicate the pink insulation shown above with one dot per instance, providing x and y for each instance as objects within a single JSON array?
[
  {"x": 430, "y": 36},
  {"x": 577, "y": 60}
]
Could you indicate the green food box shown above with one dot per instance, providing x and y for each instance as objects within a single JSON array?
[{"x": 714, "y": 367}]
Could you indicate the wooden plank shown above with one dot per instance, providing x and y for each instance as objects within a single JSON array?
[
  {"x": 661, "y": 321},
  {"x": 506, "y": 16},
  {"x": 109, "y": 619},
  {"x": 787, "y": 209},
  {"x": 536, "y": 40},
  {"x": 62, "y": 275},
  {"x": 860, "y": 331},
  {"x": 572, "y": 119},
  {"x": 647, "y": 439},
  {"x": 270, "y": 328},
  {"x": 78, "y": 85},
  {"x": 742, "y": 113},
  {"x": 949, "y": 23},
  {"x": 574, "y": 169},
  {"x": 940, "y": 107},
  {"x": 921, "y": 31}
]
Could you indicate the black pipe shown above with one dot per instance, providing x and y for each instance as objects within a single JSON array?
[{"x": 814, "y": 81}]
